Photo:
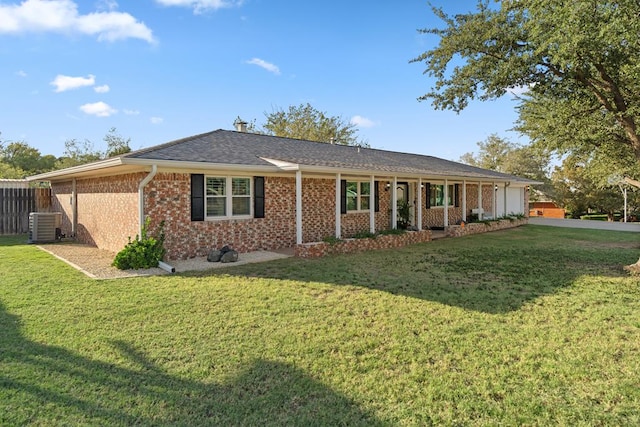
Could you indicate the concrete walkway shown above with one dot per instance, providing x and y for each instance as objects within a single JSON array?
[{"x": 578, "y": 223}]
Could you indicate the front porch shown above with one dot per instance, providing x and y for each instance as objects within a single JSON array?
[{"x": 389, "y": 241}]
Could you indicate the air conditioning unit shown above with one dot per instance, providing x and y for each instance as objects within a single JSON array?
[{"x": 44, "y": 226}]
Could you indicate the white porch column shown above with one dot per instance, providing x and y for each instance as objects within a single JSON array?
[
  {"x": 480, "y": 210},
  {"x": 464, "y": 201},
  {"x": 338, "y": 210},
  {"x": 299, "y": 207},
  {"x": 372, "y": 204},
  {"x": 505, "y": 198},
  {"x": 495, "y": 201},
  {"x": 419, "y": 207},
  {"x": 446, "y": 203},
  {"x": 394, "y": 203}
]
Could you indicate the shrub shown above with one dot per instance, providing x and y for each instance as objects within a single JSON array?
[
  {"x": 332, "y": 240},
  {"x": 144, "y": 252},
  {"x": 392, "y": 231},
  {"x": 364, "y": 235}
]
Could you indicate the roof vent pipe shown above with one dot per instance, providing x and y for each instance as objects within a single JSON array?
[{"x": 241, "y": 125}]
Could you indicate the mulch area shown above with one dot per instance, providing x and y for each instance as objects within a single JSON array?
[{"x": 96, "y": 263}]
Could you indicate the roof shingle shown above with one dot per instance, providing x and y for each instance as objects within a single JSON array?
[{"x": 241, "y": 148}]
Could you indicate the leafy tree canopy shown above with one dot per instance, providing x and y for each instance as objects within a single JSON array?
[
  {"x": 116, "y": 144},
  {"x": 502, "y": 155},
  {"x": 306, "y": 122},
  {"x": 77, "y": 153},
  {"x": 580, "y": 62},
  {"x": 19, "y": 159}
]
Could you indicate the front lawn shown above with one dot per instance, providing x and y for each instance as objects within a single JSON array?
[{"x": 534, "y": 325}]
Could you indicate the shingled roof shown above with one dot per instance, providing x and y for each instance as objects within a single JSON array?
[
  {"x": 241, "y": 148},
  {"x": 229, "y": 149}
]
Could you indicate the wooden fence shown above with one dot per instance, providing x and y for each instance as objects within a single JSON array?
[{"x": 17, "y": 203}]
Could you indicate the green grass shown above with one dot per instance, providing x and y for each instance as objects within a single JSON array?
[{"x": 534, "y": 326}]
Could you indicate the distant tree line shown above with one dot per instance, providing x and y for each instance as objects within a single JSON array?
[{"x": 19, "y": 160}]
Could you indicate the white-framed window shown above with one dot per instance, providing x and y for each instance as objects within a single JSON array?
[
  {"x": 358, "y": 195},
  {"x": 436, "y": 195},
  {"x": 227, "y": 197}
]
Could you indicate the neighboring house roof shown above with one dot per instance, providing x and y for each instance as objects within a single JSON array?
[
  {"x": 263, "y": 152},
  {"x": 13, "y": 183}
]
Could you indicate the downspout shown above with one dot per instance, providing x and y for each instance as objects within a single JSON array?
[{"x": 143, "y": 183}]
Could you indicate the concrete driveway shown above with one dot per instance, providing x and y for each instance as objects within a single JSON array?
[{"x": 578, "y": 223}]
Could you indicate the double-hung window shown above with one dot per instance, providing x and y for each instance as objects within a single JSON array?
[
  {"x": 227, "y": 197},
  {"x": 436, "y": 195},
  {"x": 358, "y": 196}
]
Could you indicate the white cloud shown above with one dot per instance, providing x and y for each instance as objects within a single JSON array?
[
  {"x": 200, "y": 6},
  {"x": 98, "y": 109},
  {"x": 266, "y": 65},
  {"x": 63, "y": 83},
  {"x": 520, "y": 90},
  {"x": 362, "y": 122},
  {"x": 62, "y": 16},
  {"x": 21, "y": 73},
  {"x": 102, "y": 89},
  {"x": 131, "y": 112},
  {"x": 156, "y": 120},
  {"x": 107, "y": 5}
]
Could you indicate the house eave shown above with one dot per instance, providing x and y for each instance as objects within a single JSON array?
[
  {"x": 75, "y": 171},
  {"x": 125, "y": 164}
]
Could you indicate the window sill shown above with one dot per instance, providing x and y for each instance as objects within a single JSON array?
[
  {"x": 358, "y": 212},
  {"x": 227, "y": 218}
]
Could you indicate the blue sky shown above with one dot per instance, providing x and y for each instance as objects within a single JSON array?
[{"x": 159, "y": 70}]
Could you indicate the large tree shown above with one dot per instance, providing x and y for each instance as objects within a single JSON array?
[
  {"x": 306, "y": 122},
  {"x": 77, "y": 153},
  {"x": 116, "y": 144},
  {"x": 583, "y": 55},
  {"x": 500, "y": 154},
  {"x": 19, "y": 159},
  {"x": 579, "y": 62}
]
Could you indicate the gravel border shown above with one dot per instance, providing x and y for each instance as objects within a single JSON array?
[{"x": 96, "y": 263}]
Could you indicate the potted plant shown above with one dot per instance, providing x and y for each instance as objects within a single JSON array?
[{"x": 404, "y": 214}]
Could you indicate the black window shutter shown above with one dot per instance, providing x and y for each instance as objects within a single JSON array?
[
  {"x": 343, "y": 196},
  {"x": 197, "y": 197},
  {"x": 376, "y": 196},
  {"x": 258, "y": 198},
  {"x": 427, "y": 199},
  {"x": 456, "y": 192}
]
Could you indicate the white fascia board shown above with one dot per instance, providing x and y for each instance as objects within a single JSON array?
[
  {"x": 282, "y": 165},
  {"x": 182, "y": 165},
  {"x": 400, "y": 175},
  {"x": 88, "y": 167}
]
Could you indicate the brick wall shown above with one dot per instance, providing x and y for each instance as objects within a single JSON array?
[
  {"x": 318, "y": 208},
  {"x": 167, "y": 197},
  {"x": 319, "y": 249},
  {"x": 484, "y": 227},
  {"x": 107, "y": 209},
  {"x": 108, "y": 213}
]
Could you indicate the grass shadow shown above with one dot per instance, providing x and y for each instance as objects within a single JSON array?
[
  {"x": 495, "y": 272},
  {"x": 14, "y": 240},
  {"x": 58, "y": 384}
]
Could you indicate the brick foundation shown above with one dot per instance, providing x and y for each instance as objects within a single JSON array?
[
  {"x": 483, "y": 227},
  {"x": 319, "y": 249}
]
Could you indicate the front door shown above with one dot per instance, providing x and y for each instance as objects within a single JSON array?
[{"x": 403, "y": 205}]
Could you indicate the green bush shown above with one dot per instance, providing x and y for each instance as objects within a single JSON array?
[
  {"x": 332, "y": 240},
  {"x": 392, "y": 231},
  {"x": 143, "y": 252},
  {"x": 364, "y": 235}
]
